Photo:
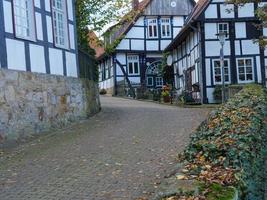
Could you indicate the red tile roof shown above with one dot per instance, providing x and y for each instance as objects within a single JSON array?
[{"x": 95, "y": 44}]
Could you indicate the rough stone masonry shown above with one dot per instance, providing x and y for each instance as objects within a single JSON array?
[{"x": 32, "y": 103}]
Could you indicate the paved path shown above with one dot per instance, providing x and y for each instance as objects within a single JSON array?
[{"x": 116, "y": 155}]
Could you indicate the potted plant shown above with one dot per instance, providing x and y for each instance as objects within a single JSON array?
[{"x": 166, "y": 94}]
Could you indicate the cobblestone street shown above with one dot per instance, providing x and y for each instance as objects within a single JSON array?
[{"x": 116, "y": 155}]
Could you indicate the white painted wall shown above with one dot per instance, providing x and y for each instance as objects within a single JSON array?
[
  {"x": 72, "y": 38},
  {"x": 176, "y": 31},
  {"x": 135, "y": 80},
  {"x": 135, "y": 32},
  {"x": 240, "y": 30},
  {"x": 39, "y": 27},
  {"x": 164, "y": 44},
  {"x": 227, "y": 11},
  {"x": 8, "y": 17},
  {"x": 47, "y": 5},
  {"x": 140, "y": 22},
  {"x": 15, "y": 47},
  {"x": 37, "y": 3},
  {"x": 211, "y": 12},
  {"x": 208, "y": 68},
  {"x": 137, "y": 45},
  {"x": 210, "y": 30},
  {"x": 210, "y": 95},
  {"x": 56, "y": 61},
  {"x": 71, "y": 64},
  {"x": 70, "y": 9},
  {"x": 178, "y": 21},
  {"x": 152, "y": 45},
  {"x": 246, "y": 11},
  {"x": 124, "y": 44},
  {"x": 121, "y": 57},
  {"x": 37, "y": 58},
  {"x": 237, "y": 47},
  {"x": 249, "y": 47},
  {"x": 49, "y": 29},
  {"x": 213, "y": 48}
]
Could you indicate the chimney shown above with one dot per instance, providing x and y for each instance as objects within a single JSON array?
[{"x": 135, "y": 4}]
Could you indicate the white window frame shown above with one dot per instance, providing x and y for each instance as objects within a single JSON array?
[
  {"x": 152, "y": 27},
  {"x": 245, "y": 70},
  {"x": 224, "y": 30},
  {"x": 24, "y": 19},
  {"x": 147, "y": 82},
  {"x": 133, "y": 60},
  {"x": 157, "y": 81},
  {"x": 165, "y": 24},
  {"x": 60, "y": 28},
  {"x": 229, "y": 73}
]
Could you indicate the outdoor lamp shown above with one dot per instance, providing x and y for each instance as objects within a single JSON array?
[{"x": 222, "y": 36}]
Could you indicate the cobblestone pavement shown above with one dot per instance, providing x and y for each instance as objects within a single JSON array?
[{"x": 116, "y": 155}]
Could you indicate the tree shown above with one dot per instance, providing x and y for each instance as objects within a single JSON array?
[{"x": 96, "y": 14}]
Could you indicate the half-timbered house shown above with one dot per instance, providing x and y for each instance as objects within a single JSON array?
[
  {"x": 196, "y": 49},
  {"x": 142, "y": 40},
  {"x": 38, "y": 36}
]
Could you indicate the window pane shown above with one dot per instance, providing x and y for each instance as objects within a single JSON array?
[
  {"x": 248, "y": 62},
  {"x": 241, "y": 70},
  {"x": 249, "y": 70},
  {"x": 218, "y": 78},
  {"x": 240, "y": 62},
  {"x": 242, "y": 77},
  {"x": 130, "y": 68},
  {"x": 249, "y": 77},
  {"x": 155, "y": 31},
  {"x": 150, "y": 31},
  {"x": 136, "y": 70}
]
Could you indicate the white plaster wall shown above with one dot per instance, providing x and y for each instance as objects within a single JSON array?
[
  {"x": 240, "y": 30},
  {"x": 47, "y": 5},
  {"x": 39, "y": 27},
  {"x": 121, "y": 57},
  {"x": 211, "y": 11},
  {"x": 37, "y": 58},
  {"x": 248, "y": 47},
  {"x": 136, "y": 32},
  {"x": 70, "y": 9},
  {"x": 8, "y": 17},
  {"x": 37, "y": 3},
  {"x": 72, "y": 38},
  {"x": 164, "y": 44},
  {"x": 152, "y": 45},
  {"x": 137, "y": 45},
  {"x": 210, "y": 30},
  {"x": 237, "y": 48},
  {"x": 213, "y": 48},
  {"x": 259, "y": 73},
  {"x": 265, "y": 31},
  {"x": 15, "y": 47},
  {"x": 227, "y": 11},
  {"x": 49, "y": 29},
  {"x": 178, "y": 21},
  {"x": 71, "y": 64},
  {"x": 135, "y": 80},
  {"x": 140, "y": 22},
  {"x": 210, "y": 95},
  {"x": 208, "y": 68},
  {"x": 246, "y": 11},
  {"x": 56, "y": 61},
  {"x": 124, "y": 44},
  {"x": 176, "y": 31}
]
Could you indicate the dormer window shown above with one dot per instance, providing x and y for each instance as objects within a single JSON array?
[
  {"x": 24, "y": 19},
  {"x": 152, "y": 28},
  {"x": 165, "y": 28}
]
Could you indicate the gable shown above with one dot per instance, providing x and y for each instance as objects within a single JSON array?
[{"x": 169, "y": 7}]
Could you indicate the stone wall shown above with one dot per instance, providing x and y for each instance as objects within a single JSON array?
[{"x": 32, "y": 103}]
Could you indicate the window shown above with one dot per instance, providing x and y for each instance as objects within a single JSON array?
[
  {"x": 24, "y": 19},
  {"x": 149, "y": 81},
  {"x": 165, "y": 28},
  {"x": 159, "y": 81},
  {"x": 217, "y": 72},
  {"x": 59, "y": 11},
  {"x": 245, "y": 70},
  {"x": 133, "y": 65},
  {"x": 152, "y": 28},
  {"x": 223, "y": 28}
]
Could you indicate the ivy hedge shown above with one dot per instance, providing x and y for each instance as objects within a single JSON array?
[{"x": 230, "y": 148}]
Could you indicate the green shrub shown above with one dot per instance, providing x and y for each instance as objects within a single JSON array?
[
  {"x": 103, "y": 92},
  {"x": 230, "y": 147}
]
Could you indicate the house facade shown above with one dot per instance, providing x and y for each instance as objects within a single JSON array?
[
  {"x": 196, "y": 50},
  {"x": 38, "y": 36},
  {"x": 137, "y": 58}
]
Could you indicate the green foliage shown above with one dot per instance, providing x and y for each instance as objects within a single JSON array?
[
  {"x": 219, "y": 192},
  {"x": 232, "y": 143}
]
